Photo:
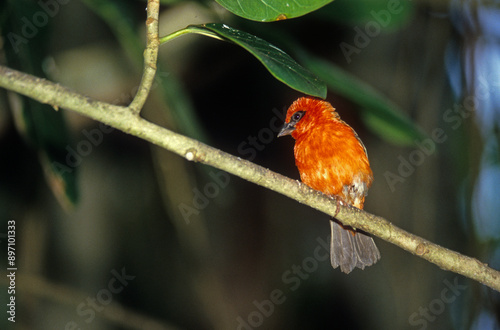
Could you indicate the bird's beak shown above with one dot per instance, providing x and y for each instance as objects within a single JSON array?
[{"x": 287, "y": 129}]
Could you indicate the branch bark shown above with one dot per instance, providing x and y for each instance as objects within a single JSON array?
[
  {"x": 150, "y": 57},
  {"x": 128, "y": 121}
]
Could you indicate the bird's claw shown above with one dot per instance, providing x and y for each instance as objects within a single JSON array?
[{"x": 339, "y": 203}]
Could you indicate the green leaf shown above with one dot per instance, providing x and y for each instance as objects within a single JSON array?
[
  {"x": 271, "y": 10},
  {"x": 279, "y": 63},
  {"x": 379, "y": 114},
  {"x": 43, "y": 127}
]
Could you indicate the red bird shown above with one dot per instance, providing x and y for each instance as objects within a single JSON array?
[{"x": 332, "y": 159}]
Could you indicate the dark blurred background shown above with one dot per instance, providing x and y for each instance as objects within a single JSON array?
[{"x": 134, "y": 237}]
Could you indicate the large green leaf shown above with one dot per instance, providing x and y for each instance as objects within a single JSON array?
[
  {"x": 279, "y": 63},
  {"x": 271, "y": 10},
  {"x": 378, "y": 113}
]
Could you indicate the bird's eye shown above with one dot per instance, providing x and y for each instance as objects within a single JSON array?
[{"x": 297, "y": 116}]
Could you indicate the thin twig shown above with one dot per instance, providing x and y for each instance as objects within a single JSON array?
[
  {"x": 150, "y": 57},
  {"x": 121, "y": 118},
  {"x": 115, "y": 313}
]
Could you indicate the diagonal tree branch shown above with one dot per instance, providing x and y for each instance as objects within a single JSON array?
[{"x": 123, "y": 119}]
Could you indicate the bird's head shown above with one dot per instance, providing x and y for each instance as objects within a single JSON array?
[{"x": 304, "y": 114}]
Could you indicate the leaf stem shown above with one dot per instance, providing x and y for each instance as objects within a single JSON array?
[{"x": 189, "y": 29}]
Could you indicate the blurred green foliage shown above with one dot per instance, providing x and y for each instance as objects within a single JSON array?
[{"x": 383, "y": 74}]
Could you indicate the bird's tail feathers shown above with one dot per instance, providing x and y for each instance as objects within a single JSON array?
[{"x": 350, "y": 248}]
